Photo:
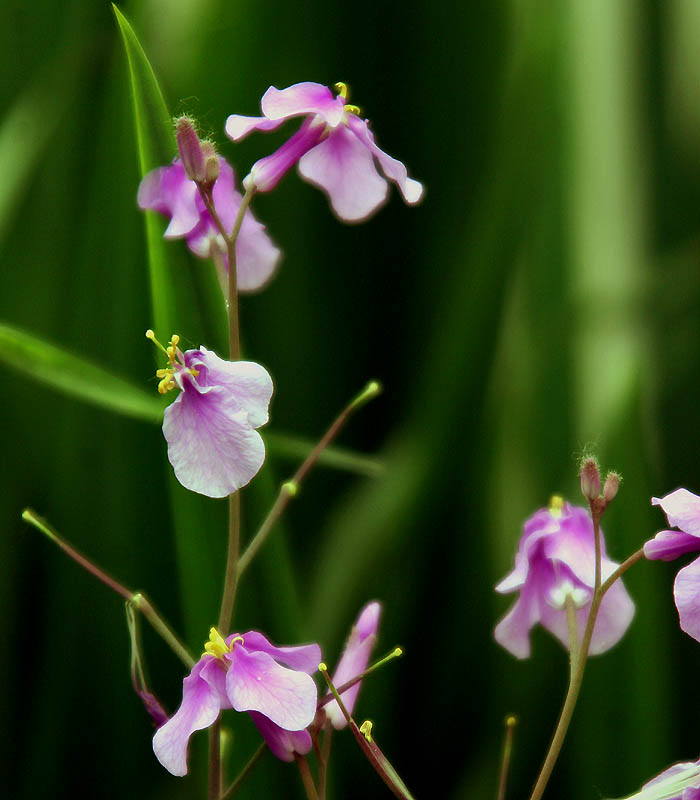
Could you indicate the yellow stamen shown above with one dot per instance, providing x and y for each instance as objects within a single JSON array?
[
  {"x": 556, "y": 504},
  {"x": 353, "y": 110},
  {"x": 342, "y": 90},
  {"x": 216, "y": 646},
  {"x": 366, "y": 729}
]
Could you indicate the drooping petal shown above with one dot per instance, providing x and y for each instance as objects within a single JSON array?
[
  {"x": 303, "y": 98},
  {"x": 266, "y": 173},
  {"x": 679, "y": 782},
  {"x": 211, "y": 445},
  {"x": 343, "y": 167},
  {"x": 202, "y": 698},
  {"x": 304, "y": 657},
  {"x": 168, "y": 191},
  {"x": 256, "y": 682},
  {"x": 246, "y": 382},
  {"x": 283, "y": 744},
  {"x": 238, "y": 126},
  {"x": 394, "y": 169},
  {"x": 353, "y": 662},
  {"x": 686, "y": 591},
  {"x": 669, "y": 545},
  {"x": 682, "y": 509},
  {"x": 513, "y": 631}
]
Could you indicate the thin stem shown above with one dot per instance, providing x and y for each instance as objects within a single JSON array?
[
  {"x": 626, "y": 564},
  {"x": 306, "y": 777},
  {"x": 510, "y": 723},
  {"x": 395, "y": 653},
  {"x": 323, "y": 757},
  {"x": 232, "y": 562},
  {"x": 290, "y": 488},
  {"x": 236, "y": 785},
  {"x": 573, "y": 630},
  {"x": 136, "y": 599},
  {"x": 215, "y": 760}
]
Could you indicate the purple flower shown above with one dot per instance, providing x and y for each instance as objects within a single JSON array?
[
  {"x": 210, "y": 427},
  {"x": 334, "y": 148},
  {"x": 682, "y": 509},
  {"x": 679, "y": 782},
  {"x": 169, "y": 191},
  {"x": 556, "y": 561},
  {"x": 247, "y": 673},
  {"x": 353, "y": 662}
]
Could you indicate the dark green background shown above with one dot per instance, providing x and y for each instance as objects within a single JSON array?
[{"x": 542, "y": 300}]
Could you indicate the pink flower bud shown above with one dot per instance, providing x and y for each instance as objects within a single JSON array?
[
  {"x": 190, "y": 149},
  {"x": 211, "y": 163},
  {"x": 590, "y": 478},
  {"x": 612, "y": 484}
]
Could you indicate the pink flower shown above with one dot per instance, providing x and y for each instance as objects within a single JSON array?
[
  {"x": 334, "y": 148},
  {"x": 169, "y": 191},
  {"x": 245, "y": 672},
  {"x": 210, "y": 427},
  {"x": 353, "y": 662},
  {"x": 682, "y": 509},
  {"x": 556, "y": 561}
]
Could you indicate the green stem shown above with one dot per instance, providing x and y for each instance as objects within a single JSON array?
[
  {"x": 505, "y": 761},
  {"x": 290, "y": 488},
  {"x": 236, "y": 785},
  {"x": 136, "y": 600},
  {"x": 215, "y": 760},
  {"x": 232, "y": 563},
  {"x": 306, "y": 777}
]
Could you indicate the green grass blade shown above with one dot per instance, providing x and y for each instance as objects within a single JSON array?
[{"x": 75, "y": 376}]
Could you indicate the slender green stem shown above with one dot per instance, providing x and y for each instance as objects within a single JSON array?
[
  {"x": 397, "y": 652},
  {"x": 215, "y": 760},
  {"x": 306, "y": 777},
  {"x": 290, "y": 488},
  {"x": 510, "y": 724},
  {"x": 136, "y": 600},
  {"x": 626, "y": 564},
  {"x": 573, "y": 630},
  {"x": 236, "y": 785},
  {"x": 324, "y": 755},
  {"x": 232, "y": 563}
]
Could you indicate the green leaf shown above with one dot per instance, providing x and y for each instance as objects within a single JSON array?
[
  {"x": 296, "y": 448},
  {"x": 75, "y": 376}
]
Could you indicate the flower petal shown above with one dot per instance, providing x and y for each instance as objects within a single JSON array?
[
  {"x": 394, "y": 169},
  {"x": 211, "y": 445},
  {"x": 303, "y": 98},
  {"x": 668, "y": 545},
  {"x": 238, "y": 126},
  {"x": 682, "y": 509},
  {"x": 343, "y": 167},
  {"x": 304, "y": 657},
  {"x": 168, "y": 191},
  {"x": 283, "y": 744},
  {"x": 686, "y": 591},
  {"x": 353, "y": 662},
  {"x": 513, "y": 631},
  {"x": 256, "y": 682},
  {"x": 202, "y": 696}
]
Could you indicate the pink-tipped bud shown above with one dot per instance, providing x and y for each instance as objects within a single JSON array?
[
  {"x": 612, "y": 484},
  {"x": 211, "y": 163},
  {"x": 590, "y": 478},
  {"x": 190, "y": 149}
]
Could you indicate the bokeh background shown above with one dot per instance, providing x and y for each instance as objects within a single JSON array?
[{"x": 542, "y": 301}]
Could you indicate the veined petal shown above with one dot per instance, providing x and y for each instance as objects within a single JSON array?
[
  {"x": 686, "y": 591},
  {"x": 303, "y": 657},
  {"x": 682, "y": 509},
  {"x": 668, "y": 545},
  {"x": 394, "y": 169},
  {"x": 614, "y": 617},
  {"x": 202, "y": 697},
  {"x": 256, "y": 682},
  {"x": 343, "y": 167},
  {"x": 283, "y": 744},
  {"x": 353, "y": 662},
  {"x": 168, "y": 191},
  {"x": 266, "y": 173},
  {"x": 238, "y": 126},
  {"x": 211, "y": 445},
  {"x": 303, "y": 98},
  {"x": 247, "y": 383}
]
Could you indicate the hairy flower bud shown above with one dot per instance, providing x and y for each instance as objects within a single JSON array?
[
  {"x": 612, "y": 484},
  {"x": 590, "y": 478},
  {"x": 190, "y": 149}
]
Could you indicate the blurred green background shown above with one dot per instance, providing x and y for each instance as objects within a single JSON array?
[{"x": 542, "y": 300}]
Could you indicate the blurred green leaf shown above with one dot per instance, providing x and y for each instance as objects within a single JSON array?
[
  {"x": 75, "y": 376},
  {"x": 293, "y": 448}
]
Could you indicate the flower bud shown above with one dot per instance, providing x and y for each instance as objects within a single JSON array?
[
  {"x": 190, "y": 149},
  {"x": 211, "y": 163},
  {"x": 590, "y": 478},
  {"x": 612, "y": 484}
]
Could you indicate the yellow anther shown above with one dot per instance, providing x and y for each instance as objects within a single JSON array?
[
  {"x": 322, "y": 667},
  {"x": 150, "y": 335},
  {"x": 174, "y": 340},
  {"x": 216, "y": 646},
  {"x": 398, "y": 652},
  {"x": 556, "y": 504},
  {"x": 342, "y": 89},
  {"x": 366, "y": 729},
  {"x": 237, "y": 639},
  {"x": 356, "y": 110},
  {"x": 290, "y": 488},
  {"x": 167, "y": 383}
]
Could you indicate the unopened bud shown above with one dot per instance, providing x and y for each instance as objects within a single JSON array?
[
  {"x": 590, "y": 478},
  {"x": 612, "y": 484},
  {"x": 190, "y": 149}
]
